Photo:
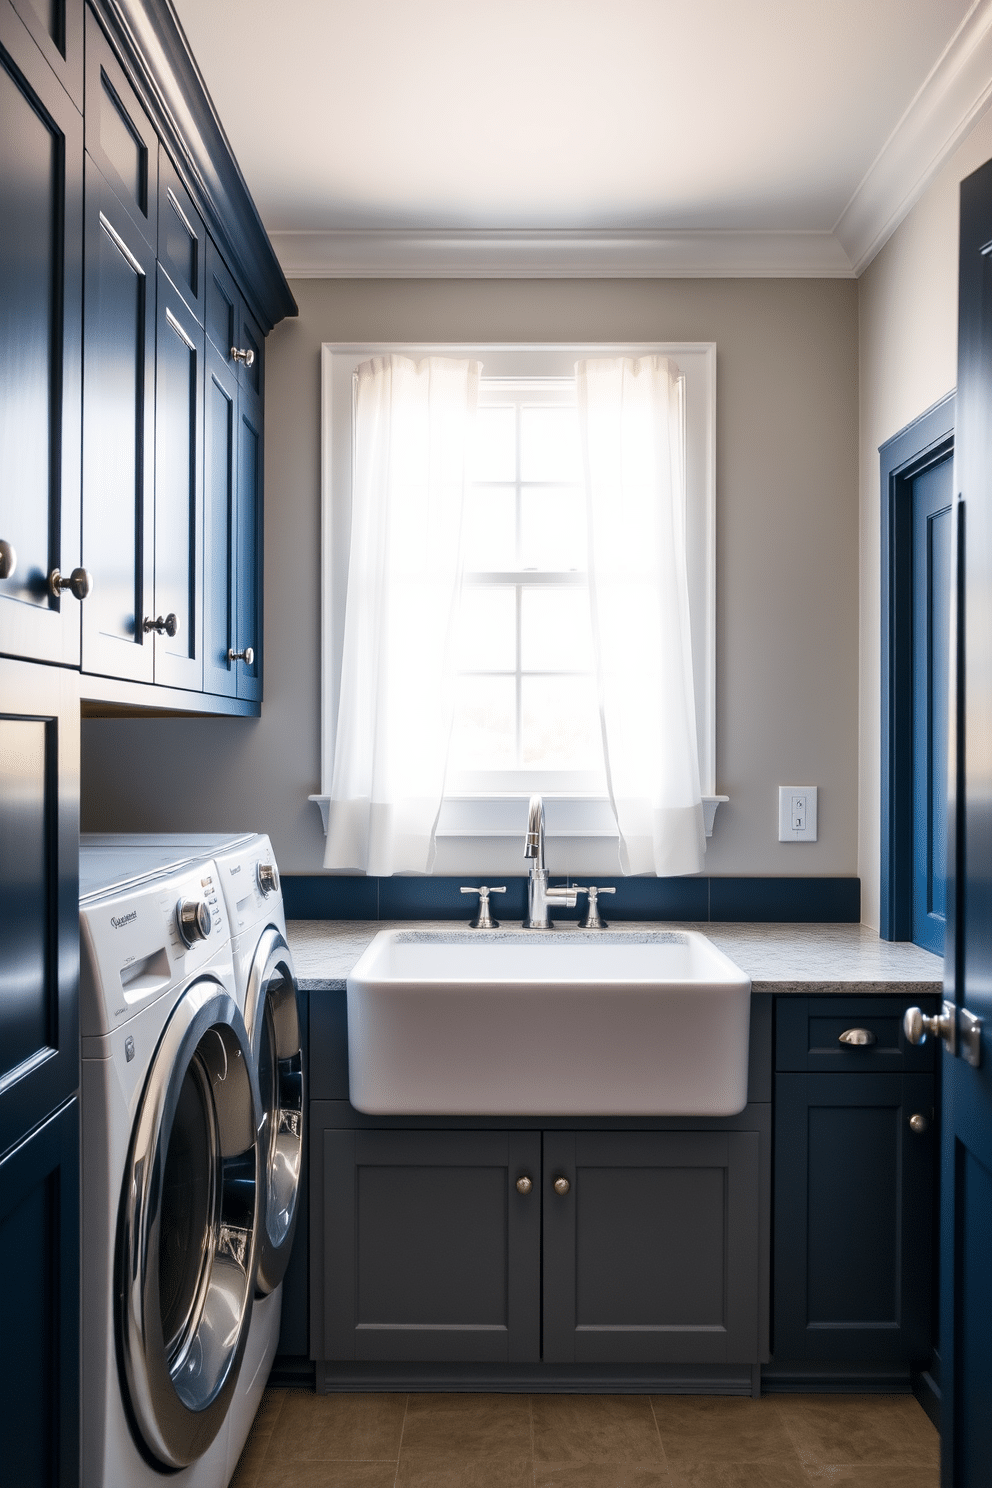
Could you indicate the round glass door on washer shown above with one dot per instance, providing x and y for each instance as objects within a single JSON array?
[
  {"x": 188, "y": 1229},
  {"x": 274, "y": 1032}
]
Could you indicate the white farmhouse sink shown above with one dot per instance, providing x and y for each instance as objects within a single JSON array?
[{"x": 567, "y": 1023}]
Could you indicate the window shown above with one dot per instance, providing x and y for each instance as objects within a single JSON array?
[{"x": 526, "y": 716}]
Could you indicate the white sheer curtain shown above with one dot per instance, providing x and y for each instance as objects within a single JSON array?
[
  {"x": 631, "y": 418},
  {"x": 411, "y": 428}
]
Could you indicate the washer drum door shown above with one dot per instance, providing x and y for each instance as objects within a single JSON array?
[
  {"x": 187, "y": 1236},
  {"x": 274, "y": 1031}
]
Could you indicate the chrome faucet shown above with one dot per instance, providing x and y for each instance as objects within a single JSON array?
[{"x": 538, "y": 894}]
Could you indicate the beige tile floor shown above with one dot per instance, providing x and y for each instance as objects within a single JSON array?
[{"x": 302, "y": 1440}]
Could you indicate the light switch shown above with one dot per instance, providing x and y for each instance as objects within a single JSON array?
[{"x": 797, "y": 813}]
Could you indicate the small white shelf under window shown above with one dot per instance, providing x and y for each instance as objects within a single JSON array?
[{"x": 505, "y": 816}]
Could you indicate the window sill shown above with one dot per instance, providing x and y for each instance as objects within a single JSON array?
[{"x": 496, "y": 817}]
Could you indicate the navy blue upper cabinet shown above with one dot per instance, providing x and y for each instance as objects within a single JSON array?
[
  {"x": 233, "y": 602},
  {"x": 182, "y": 246},
  {"x": 41, "y": 168},
  {"x": 120, "y": 136},
  {"x": 118, "y": 438}
]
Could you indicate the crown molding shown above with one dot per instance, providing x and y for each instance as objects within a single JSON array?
[
  {"x": 548, "y": 254},
  {"x": 957, "y": 90}
]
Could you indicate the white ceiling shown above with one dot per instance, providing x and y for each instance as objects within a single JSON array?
[{"x": 387, "y": 127}]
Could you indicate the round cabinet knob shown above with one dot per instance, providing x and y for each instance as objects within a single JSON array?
[
  {"x": 194, "y": 920},
  {"x": 240, "y": 354},
  {"x": 79, "y": 583},
  {"x": 164, "y": 625},
  {"x": 524, "y": 1184},
  {"x": 247, "y": 655},
  {"x": 918, "y": 1123},
  {"x": 562, "y": 1186},
  {"x": 8, "y": 559},
  {"x": 268, "y": 878}
]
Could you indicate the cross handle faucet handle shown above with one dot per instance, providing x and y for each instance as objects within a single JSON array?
[
  {"x": 591, "y": 919},
  {"x": 484, "y": 920}
]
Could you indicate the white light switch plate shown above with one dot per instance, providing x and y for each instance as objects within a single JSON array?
[{"x": 797, "y": 813}]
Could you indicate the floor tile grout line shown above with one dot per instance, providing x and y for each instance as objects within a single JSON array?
[{"x": 399, "y": 1447}]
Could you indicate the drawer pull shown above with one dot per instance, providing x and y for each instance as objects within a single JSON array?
[
  {"x": 857, "y": 1038},
  {"x": 524, "y": 1184},
  {"x": 562, "y": 1186}
]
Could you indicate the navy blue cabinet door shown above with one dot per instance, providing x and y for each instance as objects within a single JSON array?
[
  {"x": 422, "y": 1246},
  {"x": 118, "y": 438},
  {"x": 220, "y": 419},
  {"x": 57, "y": 27},
  {"x": 853, "y": 1217},
  {"x": 178, "y": 490},
  {"x": 41, "y": 199},
  {"x": 39, "y": 1308},
  {"x": 39, "y": 894},
  {"x": 651, "y": 1252},
  {"x": 248, "y": 567}
]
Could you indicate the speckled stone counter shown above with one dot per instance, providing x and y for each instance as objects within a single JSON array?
[{"x": 820, "y": 960}]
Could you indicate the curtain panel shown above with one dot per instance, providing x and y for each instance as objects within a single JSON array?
[
  {"x": 412, "y": 422},
  {"x": 631, "y": 416}
]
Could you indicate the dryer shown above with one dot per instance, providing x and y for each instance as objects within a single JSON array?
[
  {"x": 265, "y": 985},
  {"x": 171, "y": 1164}
]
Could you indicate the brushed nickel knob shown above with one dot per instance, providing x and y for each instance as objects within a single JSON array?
[
  {"x": 194, "y": 920},
  {"x": 8, "y": 559},
  {"x": 918, "y": 1123},
  {"x": 268, "y": 877},
  {"x": 858, "y": 1038},
  {"x": 164, "y": 625},
  {"x": 247, "y": 655},
  {"x": 562, "y": 1186},
  {"x": 917, "y": 1025},
  {"x": 79, "y": 583},
  {"x": 239, "y": 354},
  {"x": 524, "y": 1184}
]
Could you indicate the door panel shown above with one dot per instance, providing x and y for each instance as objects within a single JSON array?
[
  {"x": 966, "y": 1349},
  {"x": 118, "y": 438},
  {"x": 622, "y": 1282},
  {"x": 39, "y": 1312},
  {"x": 41, "y": 167},
  {"x": 57, "y": 27},
  {"x": 248, "y": 566},
  {"x": 932, "y": 500},
  {"x": 181, "y": 237},
  {"x": 39, "y": 894},
  {"x": 178, "y": 489},
  {"x": 220, "y": 674},
  {"x": 429, "y": 1250},
  {"x": 119, "y": 134}
]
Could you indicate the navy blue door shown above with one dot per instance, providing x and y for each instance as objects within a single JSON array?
[
  {"x": 966, "y": 1179},
  {"x": 932, "y": 498}
]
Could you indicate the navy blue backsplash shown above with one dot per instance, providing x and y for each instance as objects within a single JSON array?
[{"x": 801, "y": 900}]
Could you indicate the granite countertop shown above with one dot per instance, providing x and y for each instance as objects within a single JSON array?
[{"x": 792, "y": 958}]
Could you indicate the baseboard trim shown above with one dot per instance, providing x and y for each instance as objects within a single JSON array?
[
  {"x": 927, "y": 1392},
  {"x": 797, "y": 1377},
  {"x": 559, "y": 1379}
]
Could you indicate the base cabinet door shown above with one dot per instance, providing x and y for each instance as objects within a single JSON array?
[
  {"x": 422, "y": 1246},
  {"x": 39, "y": 1305},
  {"x": 853, "y": 1217},
  {"x": 651, "y": 1246}
]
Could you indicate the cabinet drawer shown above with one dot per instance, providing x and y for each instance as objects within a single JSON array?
[
  {"x": 808, "y": 1029},
  {"x": 119, "y": 134}
]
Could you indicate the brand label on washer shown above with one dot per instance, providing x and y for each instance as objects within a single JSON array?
[{"x": 119, "y": 921}]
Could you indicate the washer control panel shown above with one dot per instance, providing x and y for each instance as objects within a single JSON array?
[{"x": 140, "y": 941}]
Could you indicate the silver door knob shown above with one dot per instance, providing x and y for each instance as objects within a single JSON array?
[
  {"x": 247, "y": 655},
  {"x": 918, "y": 1123},
  {"x": 164, "y": 625},
  {"x": 562, "y": 1186},
  {"x": 240, "y": 354},
  {"x": 917, "y": 1025},
  {"x": 79, "y": 583},
  {"x": 8, "y": 559},
  {"x": 524, "y": 1184}
]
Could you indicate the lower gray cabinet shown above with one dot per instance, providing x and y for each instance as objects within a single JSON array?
[
  {"x": 651, "y": 1256},
  {"x": 621, "y": 1247},
  {"x": 422, "y": 1246}
]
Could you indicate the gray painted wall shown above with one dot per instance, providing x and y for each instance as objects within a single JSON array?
[{"x": 787, "y": 560}]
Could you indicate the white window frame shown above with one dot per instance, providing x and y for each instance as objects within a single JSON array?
[{"x": 480, "y": 821}]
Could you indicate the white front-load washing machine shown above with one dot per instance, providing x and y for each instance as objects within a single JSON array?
[
  {"x": 265, "y": 987},
  {"x": 171, "y": 1168}
]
